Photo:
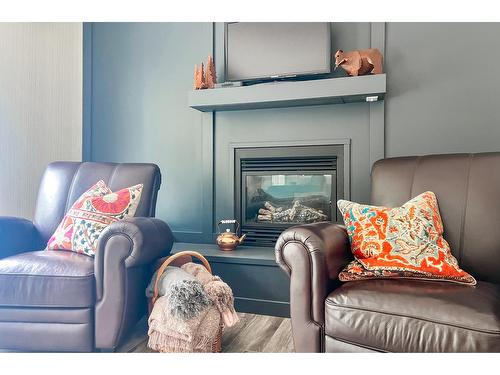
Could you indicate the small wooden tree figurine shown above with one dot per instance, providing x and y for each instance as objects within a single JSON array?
[
  {"x": 205, "y": 79},
  {"x": 210, "y": 76},
  {"x": 199, "y": 77}
]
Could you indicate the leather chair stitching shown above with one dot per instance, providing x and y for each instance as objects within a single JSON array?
[
  {"x": 125, "y": 303},
  {"x": 112, "y": 174},
  {"x": 46, "y": 305},
  {"x": 156, "y": 188},
  {"x": 360, "y": 345},
  {"x": 106, "y": 239},
  {"x": 464, "y": 210},
  {"x": 122, "y": 319},
  {"x": 417, "y": 162},
  {"x": 55, "y": 323},
  {"x": 24, "y": 275},
  {"x": 70, "y": 190}
]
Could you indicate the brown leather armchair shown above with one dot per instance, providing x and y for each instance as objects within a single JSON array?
[{"x": 404, "y": 315}]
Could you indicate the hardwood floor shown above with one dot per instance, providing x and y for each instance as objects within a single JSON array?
[
  {"x": 252, "y": 334},
  {"x": 258, "y": 334}
]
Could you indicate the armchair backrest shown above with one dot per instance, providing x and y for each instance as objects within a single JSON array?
[
  {"x": 467, "y": 187},
  {"x": 63, "y": 182}
]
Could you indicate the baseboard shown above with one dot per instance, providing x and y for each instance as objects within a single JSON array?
[{"x": 263, "y": 307}]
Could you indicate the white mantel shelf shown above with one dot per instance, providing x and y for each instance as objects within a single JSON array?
[{"x": 289, "y": 94}]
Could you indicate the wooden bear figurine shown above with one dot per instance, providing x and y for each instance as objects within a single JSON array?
[{"x": 360, "y": 62}]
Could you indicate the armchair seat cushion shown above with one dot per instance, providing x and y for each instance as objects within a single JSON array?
[
  {"x": 415, "y": 316},
  {"x": 47, "y": 279}
]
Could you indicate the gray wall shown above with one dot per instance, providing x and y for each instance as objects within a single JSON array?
[
  {"x": 441, "y": 98},
  {"x": 40, "y": 106},
  {"x": 443, "y": 88},
  {"x": 141, "y": 73}
]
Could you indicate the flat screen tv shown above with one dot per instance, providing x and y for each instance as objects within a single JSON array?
[{"x": 269, "y": 50}]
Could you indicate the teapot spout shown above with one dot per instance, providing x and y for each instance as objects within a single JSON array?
[{"x": 242, "y": 238}]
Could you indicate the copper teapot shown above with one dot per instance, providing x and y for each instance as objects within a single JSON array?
[{"x": 228, "y": 240}]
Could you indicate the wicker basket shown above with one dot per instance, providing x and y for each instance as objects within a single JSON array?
[{"x": 178, "y": 259}]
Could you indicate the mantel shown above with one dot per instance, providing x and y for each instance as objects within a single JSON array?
[{"x": 290, "y": 94}]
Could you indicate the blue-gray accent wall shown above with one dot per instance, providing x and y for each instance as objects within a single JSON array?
[
  {"x": 141, "y": 73},
  {"x": 441, "y": 98}
]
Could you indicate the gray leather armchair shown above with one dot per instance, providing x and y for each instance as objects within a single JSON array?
[{"x": 63, "y": 301}]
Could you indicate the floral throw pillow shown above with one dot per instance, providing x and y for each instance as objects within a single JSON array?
[
  {"x": 61, "y": 239},
  {"x": 401, "y": 242},
  {"x": 80, "y": 229}
]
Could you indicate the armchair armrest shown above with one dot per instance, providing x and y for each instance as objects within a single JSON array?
[
  {"x": 125, "y": 251},
  {"x": 18, "y": 236},
  {"x": 312, "y": 255},
  {"x": 148, "y": 239}
]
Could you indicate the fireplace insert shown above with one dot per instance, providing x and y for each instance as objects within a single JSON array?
[{"x": 278, "y": 187}]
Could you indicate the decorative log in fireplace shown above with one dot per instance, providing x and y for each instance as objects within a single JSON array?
[
  {"x": 297, "y": 213},
  {"x": 277, "y": 187}
]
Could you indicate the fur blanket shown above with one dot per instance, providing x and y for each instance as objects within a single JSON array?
[
  {"x": 186, "y": 295},
  {"x": 217, "y": 290},
  {"x": 172, "y": 335}
]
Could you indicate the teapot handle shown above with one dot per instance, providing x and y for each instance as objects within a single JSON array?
[{"x": 232, "y": 221}]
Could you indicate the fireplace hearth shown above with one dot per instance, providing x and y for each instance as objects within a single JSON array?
[{"x": 278, "y": 187}]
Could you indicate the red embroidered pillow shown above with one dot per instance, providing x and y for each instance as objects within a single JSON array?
[
  {"x": 401, "y": 242},
  {"x": 80, "y": 229},
  {"x": 61, "y": 239}
]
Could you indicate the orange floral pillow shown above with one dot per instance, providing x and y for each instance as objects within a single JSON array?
[{"x": 401, "y": 242}]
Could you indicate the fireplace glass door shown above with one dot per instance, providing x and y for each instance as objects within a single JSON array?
[
  {"x": 288, "y": 198},
  {"x": 278, "y": 187}
]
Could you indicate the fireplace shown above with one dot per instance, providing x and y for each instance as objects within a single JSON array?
[{"x": 278, "y": 187}]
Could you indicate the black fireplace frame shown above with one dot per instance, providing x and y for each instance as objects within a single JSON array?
[{"x": 265, "y": 234}]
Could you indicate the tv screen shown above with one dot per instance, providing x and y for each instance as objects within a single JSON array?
[{"x": 261, "y": 50}]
